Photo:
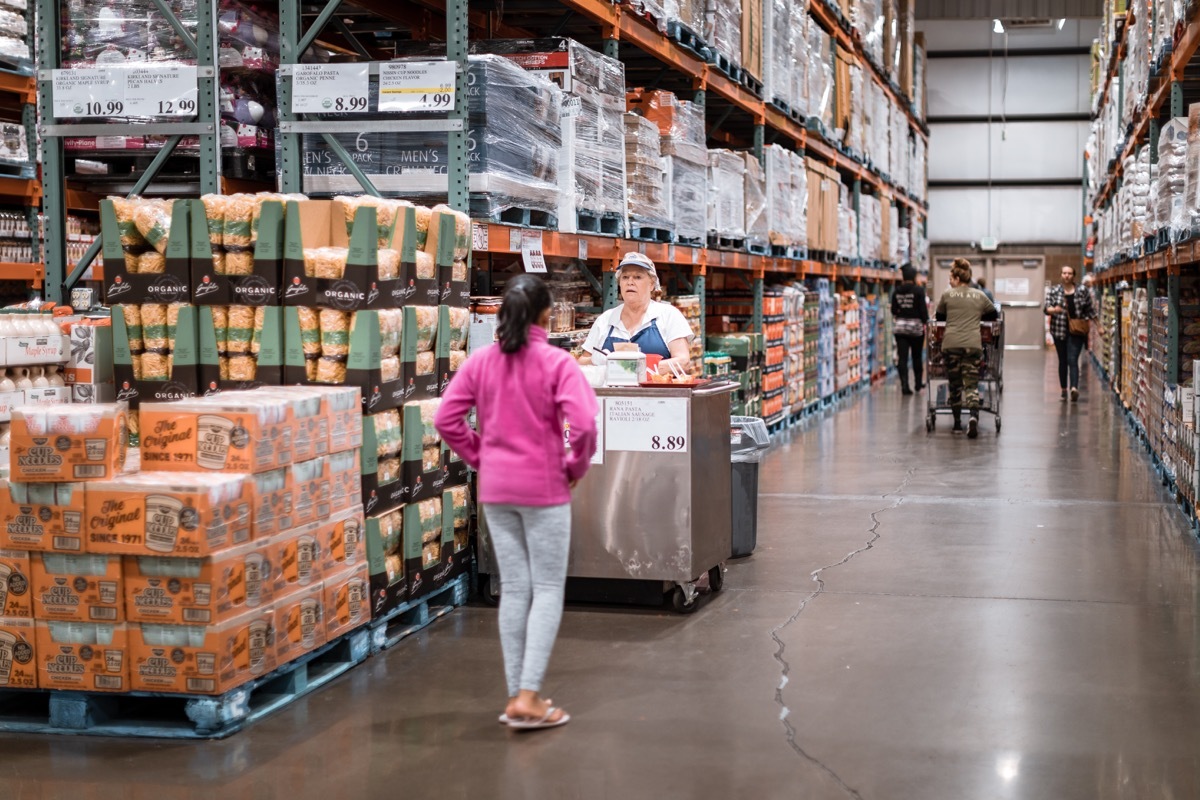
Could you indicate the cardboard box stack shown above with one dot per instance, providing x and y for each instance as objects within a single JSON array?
[
  {"x": 788, "y": 199},
  {"x": 684, "y": 158},
  {"x": 644, "y": 174},
  {"x": 726, "y": 196},
  {"x": 205, "y": 570}
]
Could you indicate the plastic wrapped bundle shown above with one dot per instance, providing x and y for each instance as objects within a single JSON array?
[
  {"x": 819, "y": 74},
  {"x": 756, "y": 201},
  {"x": 515, "y": 133},
  {"x": 726, "y": 194},
  {"x": 799, "y": 198},
  {"x": 1172, "y": 178},
  {"x": 723, "y": 28},
  {"x": 781, "y": 63},
  {"x": 643, "y": 171},
  {"x": 100, "y": 34},
  {"x": 866, "y": 16},
  {"x": 781, "y": 224},
  {"x": 687, "y": 198}
]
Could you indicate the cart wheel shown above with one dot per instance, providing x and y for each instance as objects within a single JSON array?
[
  {"x": 928, "y": 425},
  {"x": 997, "y": 424},
  {"x": 716, "y": 578},
  {"x": 679, "y": 601},
  {"x": 489, "y": 590}
]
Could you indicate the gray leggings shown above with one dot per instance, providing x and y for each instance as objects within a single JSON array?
[{"x": 531, "y": 545}]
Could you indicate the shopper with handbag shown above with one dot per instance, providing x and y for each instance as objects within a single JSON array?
[
  {"x": 910, "y": 312},
  {"x": 525, "y": 392},
  {"x": 1071, "y": 312}
]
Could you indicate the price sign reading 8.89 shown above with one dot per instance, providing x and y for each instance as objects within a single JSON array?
[
  {"x": 416, "y": 85},
  {"x": 646, "y": 424}
]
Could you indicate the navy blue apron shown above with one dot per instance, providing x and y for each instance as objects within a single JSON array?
[{"x": 648, "y": 340}]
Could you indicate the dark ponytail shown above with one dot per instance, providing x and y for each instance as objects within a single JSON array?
[{"x": 526, "y": 298}]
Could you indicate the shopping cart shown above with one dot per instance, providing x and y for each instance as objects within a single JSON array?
[{"x": 991, "y": 372}]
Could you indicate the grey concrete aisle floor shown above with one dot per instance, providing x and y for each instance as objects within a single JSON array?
[{"x": 1011, "y": 617}]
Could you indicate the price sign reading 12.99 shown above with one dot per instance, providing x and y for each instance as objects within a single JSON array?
[
  {"x": 646, "y": 424},
  {"x": 416, "y": 86}
]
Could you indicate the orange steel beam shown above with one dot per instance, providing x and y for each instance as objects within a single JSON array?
[{"x": 23, "y": 86}]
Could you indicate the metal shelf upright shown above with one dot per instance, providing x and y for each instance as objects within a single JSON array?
[{"x": 60, "y": 275}]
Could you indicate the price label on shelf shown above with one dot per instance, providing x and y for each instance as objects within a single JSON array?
[
  {"x": 646, "y": 424},
  {"x": 160, "y": 91},
  {"x": 89, "y": 93},
  {"x": 416, "y": 86},
  {"x": 330, "y": 88},
  {"x": 532, "y": 256}
]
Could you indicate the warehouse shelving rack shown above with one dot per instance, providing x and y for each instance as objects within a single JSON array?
[{"x": 18, "y": 98}]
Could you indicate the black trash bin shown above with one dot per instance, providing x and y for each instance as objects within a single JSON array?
[{"x": 748, "y": 440}]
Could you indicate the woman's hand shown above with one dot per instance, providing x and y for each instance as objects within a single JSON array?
[
  {"x": 664, "y": 366},
  {"x": 1055, "y": 310}
]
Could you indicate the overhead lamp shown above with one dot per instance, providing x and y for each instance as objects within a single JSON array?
[
  {"x": 997, "y": 26},
  {"x": 1061, "y": 22}
]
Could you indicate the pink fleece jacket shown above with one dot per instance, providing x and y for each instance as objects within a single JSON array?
[{"x": 522, "y": 401}]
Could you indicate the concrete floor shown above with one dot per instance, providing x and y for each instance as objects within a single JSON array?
[{"x": 1003, "y": 618}]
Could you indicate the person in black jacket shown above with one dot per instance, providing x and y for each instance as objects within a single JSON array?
[{"x": 909, "y": 314}]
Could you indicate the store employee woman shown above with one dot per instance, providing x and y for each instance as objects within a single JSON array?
[{"x": 657, "y": 328}]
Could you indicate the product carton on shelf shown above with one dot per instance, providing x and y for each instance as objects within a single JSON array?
[
  {"x": 22, "y": 351},
  {"x": 42, "y": 516},
  {"x": 297, "y": 554},
  {"x": 155, "y": 352},
  {"x": 16, "y": 599},
  {"x": 382, "y": 487},
  {"x": 345, "y": 476},
  {"x": 241, "y": 347},
  {"x": 453, "y": 328},
  {"x": 191, "y": 591},
  {"x": 347, "y": 600},
  {"x": 83, "y": 656},
  {"x": 89, "y": 354},
  {"x": 145, "y": 249},
  {"x": 236, "y": 249},
  {"x": 424, "y": 563},
  {"x": 171, "y": 514},
  {"x": 385, "y": 560},
  {"x": 386, "y": 263},
  {"x": 341, "y": 541},
  {"x": 49, "y": 396},
  {"x": 456, "y": 530},
  {"x": 18, "y": 654},
  {"x": 243, "y": 434},
  {"x": 84, "y": 588},
  {"x": 330, "y": 347},
  {"x": 203, "y": 659},
  {"x": 300, "y": 625},
  {"x": 423, "y": 470},
  {"x": 63, "y": 443}
]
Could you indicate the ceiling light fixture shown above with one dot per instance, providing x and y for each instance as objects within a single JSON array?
[
  {"x": 997, "y": 26},
  {"x": 1061, "y": 22}
]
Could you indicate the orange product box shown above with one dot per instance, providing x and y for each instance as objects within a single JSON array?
[
  {"x": 300, "y": 622},
  {"x": 42, "y": 516},
  {"x": 84, "y": 588},
  {"x": 18, "y": 654},
  {"x": 345, "y": 476},
  {"x": 83, "y": 656},
  {"x": 273, "y": 503},
  {"x": 64, "y": 442},
  {"x": 16, "y": 600},
  {"x": 216, "y": 434},
  {"x": 202, "y": 659},
  {"x": 194, "y": 591},
  {"x": 346, "y": 600},
  {"x": 311, "y": 491},
  {"x": 170, "y": 514},
  {"x": 343, "y": 407},
  {"x": 342, "y": 541},
  {"x": 297, "y": 556}
]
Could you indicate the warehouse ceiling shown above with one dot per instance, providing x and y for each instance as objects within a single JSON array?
[{"x": 1009, "y": 9}]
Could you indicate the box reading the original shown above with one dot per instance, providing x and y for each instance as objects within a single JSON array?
[
  {"x": 64, "y": 443},
  {"x": 215, "y": 434}
]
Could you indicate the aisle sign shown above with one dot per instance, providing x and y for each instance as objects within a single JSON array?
[
  {"x": 416, "y": 85},
  {"x": 89, "y": 92},
  {"x": 532, "y": 256},
  {"x": 330, "y": 88},
  {"x": 646, "y": 424},
  {"x": 160, "y": 91}
]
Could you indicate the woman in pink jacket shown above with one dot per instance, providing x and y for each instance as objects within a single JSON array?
[{"x": 525, "y": 393}]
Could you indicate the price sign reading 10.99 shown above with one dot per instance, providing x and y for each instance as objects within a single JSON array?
[{"x": 646, "y": 424}]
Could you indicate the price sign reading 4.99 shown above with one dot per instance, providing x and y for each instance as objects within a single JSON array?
[
  {"x": 646, "y": 424},
  {"x": 416, "y": 86}
]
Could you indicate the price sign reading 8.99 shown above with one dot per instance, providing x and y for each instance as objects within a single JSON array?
[{"x": 646, "y": 424}]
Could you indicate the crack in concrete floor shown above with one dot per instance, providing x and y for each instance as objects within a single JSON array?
[{"x": 781, "y": 647}]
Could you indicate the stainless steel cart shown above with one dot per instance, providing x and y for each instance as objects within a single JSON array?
[
  {"x": 655, "y": 507},
  {"x": 991, "y": 372}
]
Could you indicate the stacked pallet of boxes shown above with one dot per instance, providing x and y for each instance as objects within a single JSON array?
[
  {"x": 648, "y": 216},
  {"x": 812, "y": 340},
  {"x": 797, "y": 61},
  {"x": 846, "y": 342},
  {"x": 238, "y": 549},
  {"x": 1157, "y": 416},
  {"x": 744, "y": 354},
  {"x": 826, "y": 338},
  {"x": 774, "y": 380},
  {"x": 684, "y": 159},
  {"x": 1128, "y": 342},
  {"x": 515, "y": 124},
  {"x": 1109, "y": 335},
  {"x": 794, "y": 348},
  {"x": 591, "y": 167},
  {"x": 824, "y": 187},
  {"x": 870, "y": 338},
  {"x": 787, "y": 201},
  {"x": 726, "y": 198},
  {"x": 689, "y": 305}
]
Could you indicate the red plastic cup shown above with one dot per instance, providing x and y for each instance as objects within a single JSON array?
[{"x": 652, "y": 360}]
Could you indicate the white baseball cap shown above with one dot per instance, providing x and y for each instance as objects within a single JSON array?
[{"x": 641, "y": 261}]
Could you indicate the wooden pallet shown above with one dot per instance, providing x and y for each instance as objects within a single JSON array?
[
  {"x": 687, "y": 38},
  {"x": 523, "y": 217},
  {"x": 650, "y": 233},
  {"x": 408, "y": 618},
  {"x": 606, "y": 223},
  {"x": 158, "y": 715}
]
